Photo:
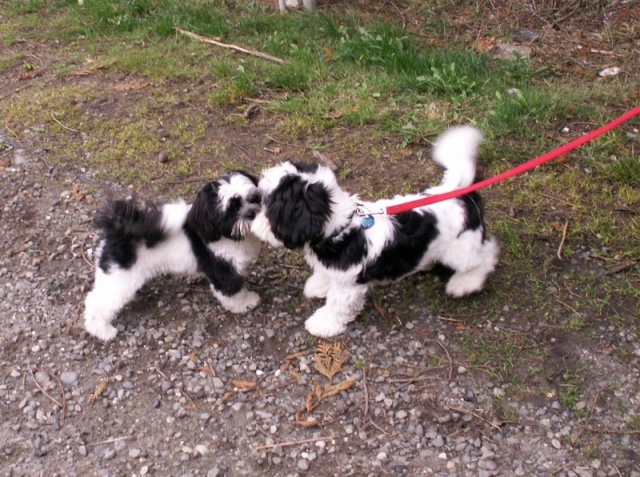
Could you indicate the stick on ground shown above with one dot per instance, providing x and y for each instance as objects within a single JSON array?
[{"x": 232, "y": 47}]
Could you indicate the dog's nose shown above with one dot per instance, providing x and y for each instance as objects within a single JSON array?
[{"x": 251, "y": 215}]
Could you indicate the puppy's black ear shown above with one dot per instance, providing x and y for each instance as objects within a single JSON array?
[
  {"x": 297, "y": 211},
  {"x": 204, "y": 215}
]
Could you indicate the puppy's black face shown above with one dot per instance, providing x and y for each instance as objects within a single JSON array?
[
  {"x": 226, "y": 207},
  {"x": 297, "y": 210}
]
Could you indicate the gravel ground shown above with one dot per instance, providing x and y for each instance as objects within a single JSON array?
[{"x": 186, "y": 389}]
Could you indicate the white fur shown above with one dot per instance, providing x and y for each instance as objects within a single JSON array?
[
  {"x": 115, "y": 287},
  {"x": 471, "y": 256}
]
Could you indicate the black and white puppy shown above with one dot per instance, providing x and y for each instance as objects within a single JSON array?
[
  {"x": 303, "y": 206},
  {"x": 211, "y": 237}
]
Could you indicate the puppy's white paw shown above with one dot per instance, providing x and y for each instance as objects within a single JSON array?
[
  {"x": 462, "y": 284},
  {"x": 241, "y": 302},
  {"x": 324, "y": 324},
  {"x": 316, "y": 286},
  {"x": 100, "y": 329}
]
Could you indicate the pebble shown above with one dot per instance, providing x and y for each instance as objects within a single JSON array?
[
  {"x": 525, "y": 35},
  {"x": 69, "y": 377}
]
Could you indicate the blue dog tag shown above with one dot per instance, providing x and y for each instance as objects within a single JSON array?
[{"x": 367, "y": 221}]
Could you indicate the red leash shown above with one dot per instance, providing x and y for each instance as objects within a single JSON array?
[{"x": 527, "y": 166}]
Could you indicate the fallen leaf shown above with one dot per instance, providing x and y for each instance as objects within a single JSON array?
[
  {"x": 100, "y": 388},
  {"x": 92, "y": 69},
  {"x": 77, "y": 194},
  {"x": 342, "y": 112},
  {"x": 27, "y": 74},
  {"x": 337, "y": 388},
  {"x": 134, "y": 85},
  {"x": 329, "y": 358},
  {"x": 295, "y": 355},
  {"x": 244, "y": 385}
]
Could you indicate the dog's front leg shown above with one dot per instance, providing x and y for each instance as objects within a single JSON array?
[
  {"x": 317, "y": 285},
  {"x": 344, "y": 303},
  {"x": 227, "y": 285}
]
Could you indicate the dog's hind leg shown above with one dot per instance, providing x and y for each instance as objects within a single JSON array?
[
  {"x": 344, "y": 303},
  {"x": 110, "y": 293},
  {"x": 472, "y": 271}
]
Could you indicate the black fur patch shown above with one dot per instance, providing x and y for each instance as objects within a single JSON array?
[
  {"x": 205, "y": 216},
  {"x": 413, "y": 233},
  {"x": 341, "y": 253},
  {"x": 473, "y": 210},
  {"x": 125, "y": 227},
  {"x": 306, "y": 168},
  {"x": 297, "y": 211},
  {"x": 220, "y": 272}
]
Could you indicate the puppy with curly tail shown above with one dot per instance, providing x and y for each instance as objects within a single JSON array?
[
  {"x": 210, "y": 238},
  {"x": 303, "y": 206}
]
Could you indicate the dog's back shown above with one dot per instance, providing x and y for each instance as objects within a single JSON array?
[{"x": 125, "y": 225}]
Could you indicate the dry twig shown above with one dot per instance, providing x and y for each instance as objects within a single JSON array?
[
  {"x": 232, "y": 47},
  {"x": 366, "y": 392},
  {"x": 564, "y": 238},
  {"x": 296, "y": 443},
  {"x": 42, "y": 390},
  {"x": 466, "y": 411}
]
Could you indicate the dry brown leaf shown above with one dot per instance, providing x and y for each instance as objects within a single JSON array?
[
  {"x": 483, "y": 45},
  {"x": 329, "y": 358},
  {"x": 100, "y": 388},
  {"x": 337, "y": 388},
  {"x": 342, "y": 112},
  {"x": 131, "y": 86},
  {"x": 27, "y": 75},
  {"x": 78, "y": 195},
  {"x": 294, "y": 373},
  {"x": 92, "y": 69},
  {"x": 207, "y": 369},
  {"x": 228, "y": 395},
  {"x": 295, "y": 356},
  {"x": 379, "y": 308},
  {"x": 307, "y": 423},
  {"x": 244, "y": 385}
]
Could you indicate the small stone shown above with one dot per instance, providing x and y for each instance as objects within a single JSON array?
[
  {"x": 202, "y": 449},
  {"x": 217, "y": 382},
  {"x": 42, "y": 378},
  {"x": 303, "y": 464},
  {"x": 556, "y": 444},
  {"x": 525, "y": 35},
  {"x": 510, "y": 52},
  {"x": 82, "y": 450},
  {"x": 69, "y": 377},
  {"x": 134, "y": 453},
  {"x": 613, "y": 71}
]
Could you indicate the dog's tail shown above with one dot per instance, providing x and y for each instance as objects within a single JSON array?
[
  {"x": 123, "y": 219},
  {"x": 456, "y": 150}
]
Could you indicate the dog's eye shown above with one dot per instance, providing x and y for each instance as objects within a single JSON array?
[
  {"x": 254, "y": 198},
  {"x": 235, "y": 204}
]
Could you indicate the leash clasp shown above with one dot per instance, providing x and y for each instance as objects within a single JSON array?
[{"x": 362, "y": 211}]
